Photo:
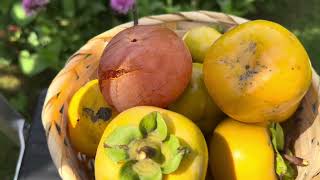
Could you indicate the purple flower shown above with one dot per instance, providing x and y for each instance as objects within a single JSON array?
[
  {"x": 122, "y": 6},
  {"x": 31, "y": 6}
]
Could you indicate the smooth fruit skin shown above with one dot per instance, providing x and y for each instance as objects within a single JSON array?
[
  {"x": 196, "y": 104},
  {"x": 199, "y": 40},
  {"x": 240, "y": 151},
  {"x": 257, "y": 72},
  {"x": 192, "y": 167},
  {"x": 144, "y": 65},
  {"x": 84, "y": 133}
]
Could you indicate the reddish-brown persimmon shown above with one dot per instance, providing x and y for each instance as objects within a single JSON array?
[{"x": 144, "y": 65}]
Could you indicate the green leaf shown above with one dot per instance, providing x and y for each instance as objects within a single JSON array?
[
  {"x": 82, "y": 4},
  {"x": 45, "y": 57},
  {"x": 291, "y": 173},
  {"x": 15, "y": 36},
  {"x": 147, "y": 169},
  {"x": 148, "y": 123},
  {"x": 127, "y": 173},
  {"x": 5, "y": 6},
  {"x": 225, "y": 5},
  {"x": 277, "y": 133},
  {"x": 281, "y": 167},
  {"x": 173, "y": 154},
  {"x": 161, "y": 131},
  {"x": 19, "y": 15},
  {"x": 154, "y": 126},
  {"x": 69, "y": 7},
  {"x": 117, "y": 153},
  {"x": 279, "y": 136},
  {"x": 116, "y": 144},
  {"x": 19, "y": 102},
  {"x": 30, "y": 63},
  {"x": 123, "y": 135},
  {"x": 33, "y": 39},
  {"x": 5, "y": 61},
  {"x": 49, "y": 55}
]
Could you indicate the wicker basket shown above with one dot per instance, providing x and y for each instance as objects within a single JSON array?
[{"x": 302, "y": 129}]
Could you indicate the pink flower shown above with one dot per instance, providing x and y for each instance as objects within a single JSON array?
[
  {"x": 122, "y": 6},
  {"x": 30, "y": 6}
]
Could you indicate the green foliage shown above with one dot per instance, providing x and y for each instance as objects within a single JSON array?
[
  {"x": 19, "y": 101},
  {"x": 46, "y": 39}
]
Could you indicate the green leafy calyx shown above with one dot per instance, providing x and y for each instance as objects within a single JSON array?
[
  {"x": 145, "y": 152},
  {"x": 284, "y": 168}
]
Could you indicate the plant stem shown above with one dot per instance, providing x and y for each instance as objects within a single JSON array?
[
  {"x": 146, "y": 152},
  {"x": 296, "y": 160},
  {"x": 135, "y": 14}
]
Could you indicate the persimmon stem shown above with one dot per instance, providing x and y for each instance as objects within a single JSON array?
[
  {"x": 135, "y": 14},
  {"x": 296, "y": 160},
  {"x": 146, "y": 152}
]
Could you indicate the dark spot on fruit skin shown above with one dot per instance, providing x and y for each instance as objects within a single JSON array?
[
  {"x": 103, "y": 113},
  {"x": 226, "y": 62},
  {"x": 115, "y": 73},
  {"x": 247, "y": 67},
  {"x": 58, "y": 94},
  {"x": 252, "y": 47},
  {"x": 87, "y": 66},
  {"x": 89, "y": 112},
  {"x": 134, "y": 40},
  {"x": 247, "y": 75}
]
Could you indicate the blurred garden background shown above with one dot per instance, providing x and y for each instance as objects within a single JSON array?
[{"x": 34, "y": 47}]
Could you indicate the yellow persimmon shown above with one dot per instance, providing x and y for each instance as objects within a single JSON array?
[
  {"x": 126, "y": 152},
  {"x": 257, "y": 72},
  {"x": 89, "y": 114},
  {"x": 240, "y": 151}
]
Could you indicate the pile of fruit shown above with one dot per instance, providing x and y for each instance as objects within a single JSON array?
[{"x": 159, "y": 100}]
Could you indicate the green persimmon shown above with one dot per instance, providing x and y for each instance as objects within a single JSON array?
[
  {"x": 199, "y": 40},
  {"x": 196, "y": 104}
]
